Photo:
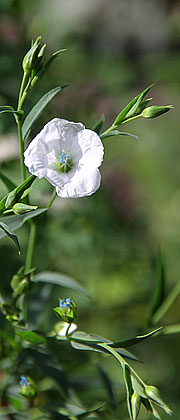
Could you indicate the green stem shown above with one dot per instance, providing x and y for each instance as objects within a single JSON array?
[
  {"x": 21, "y": 146},
  {"x": 67, "y": 335},
  {"x": 21, "y": 89},
  {"x": 52, "y": 199},
  {"x": 30, "y": 248},
  {"x": 121, "y": 360}
]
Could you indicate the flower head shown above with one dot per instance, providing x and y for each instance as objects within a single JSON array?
[
  {"x": 24, "y": 381},
  {"x": 67, "y": 310},
  {"x": 68, "y": 155}
]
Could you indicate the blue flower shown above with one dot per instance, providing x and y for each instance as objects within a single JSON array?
[{"x": 24, "y": 381}]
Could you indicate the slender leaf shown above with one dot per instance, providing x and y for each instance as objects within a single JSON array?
[
  {"x": 133, "y": 105},
  {"x": 158, "y": 295},
  {"x": 171, "y": 329},
  {"x": 38, "y": 109},
  {"x": 7, "y": 182},
  {"x": 17, "y": 192},
  {"x": 59, "y": 279},
  {"x": 129, "y": 389},
  {"x": 93, "y": 346},
  {"x": 166, "y": 304},
  {"x": 98, "y": 126},
  {"x": 16, "y": 221},
  {"x": 133, "y": 341},
  {"x": 11, "y": 235},
  {"x": 118, "y": 133},
  {"x": 31, "y": 337}
]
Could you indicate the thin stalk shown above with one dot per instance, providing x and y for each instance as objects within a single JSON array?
[
  {"x": 21, "y": 146},
  {"x": 121, "y": 360},
  {"x": 30, "y": 248},
  {"x": 52, "y": 199},
  {"x": 67, "y": 331}
]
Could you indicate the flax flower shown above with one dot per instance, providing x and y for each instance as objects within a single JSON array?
[{"x": 68, "y": 155}]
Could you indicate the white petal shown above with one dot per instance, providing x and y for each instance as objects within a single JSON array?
[
  {"x": 91, "y": 146},
  {"x": 84, "y": 182}
]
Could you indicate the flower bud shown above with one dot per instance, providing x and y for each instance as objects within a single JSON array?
[
  {"x": 153, "y": 393},
  {"x": 135, "y": 405},
  {"x": 155, "y": 111},
  {"x": 33, "y": 57},
  {"x": 67, "y": 310},
  {"x": 20, "y": 208}
]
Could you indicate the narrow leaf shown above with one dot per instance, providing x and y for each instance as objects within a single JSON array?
[
  {"x": 158, "y": 295},
  {"x": 129, "y": 389},
  {"x": 166, "y": 304},
  {"x": 98, "y": 126},
  {"x": 7, "y": 182},
  {"x": 58, "y": 279},
  {"x": 11, "y": 235},
  {"x": 31, "y": 337},
  {"x": 133, "y": 341},
  {"x": 16, "y": 221},
  {"x": 133, "y": 105},
  {"x": 38, "y": 109},
  {"x": 118, "y": 133}
]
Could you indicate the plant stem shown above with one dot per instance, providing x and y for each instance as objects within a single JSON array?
[
  {"x": 52, "y": 199},
  {"x": 21, "y": 146},
  {"x": 121, "y": 360},
  {"x": 30, "y": 248}
]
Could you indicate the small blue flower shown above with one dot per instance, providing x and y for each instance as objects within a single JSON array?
[
  {"x": 24, "y": 381},
  {"x": 65, "y": 303}
]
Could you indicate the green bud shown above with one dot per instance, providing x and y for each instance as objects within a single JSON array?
[
  {"x": 135, "y": 405},
  {"x": 153, "y": 393},
  {"x": 10, "y": 199},
  {"x": 67, "y": 310},
  {"x": 20, "y": 208},
  {"x": 33, "y": 58},
  {"x": 155, "y": 111}
]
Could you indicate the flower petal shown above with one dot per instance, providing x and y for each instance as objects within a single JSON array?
[{"x": 84, "y": 182}]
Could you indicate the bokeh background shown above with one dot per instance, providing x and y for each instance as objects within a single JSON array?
[{"x": 107, "y": 242}]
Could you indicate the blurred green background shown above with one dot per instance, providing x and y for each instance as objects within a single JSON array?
[{"x": 108, "y": 242}]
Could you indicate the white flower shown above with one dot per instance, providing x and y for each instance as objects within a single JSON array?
[{"x": 68, "y": 155}]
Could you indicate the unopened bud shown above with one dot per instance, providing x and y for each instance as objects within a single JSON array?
[
  {"x": 155, "y": 111},
  {"x": 135, "y": 405},
  {"x": 33, "y": 57},
  {"x": 20, "y": 208},
  {"x": 153, "y": 393},
  {"x": 67, "y": 310}
]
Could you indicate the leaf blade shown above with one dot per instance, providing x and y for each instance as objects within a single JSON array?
[
  {"x": 59, "y": 280},
  {"x": 38, "y": 109},
  {"x": 11, "y": 235}
]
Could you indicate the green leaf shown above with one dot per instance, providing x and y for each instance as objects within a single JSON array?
[
  {"x": 38, "y": 109},
  {"x": 98, "y": 126},
  {"x": 133, "y": 341},
  {"x": 59, "y": 279},
  {"x": 17, "y": 192},
  {"x": 31, "y": 337},
  {"x": 118, "y": 133},
  {"x": 16, "y": 221},
  {"x": 159, "y": 290},
  {"x": 166, "y": 304},
  {"x": 171, "y": 329},
  {"x": 11, "y": 235},
  {"x": 129, "y": 389},
  {"x": 7, "y": 182},
  {"x": 131, "y": 108}
]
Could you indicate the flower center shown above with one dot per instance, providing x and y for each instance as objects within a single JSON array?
[{"x": 64, "y": 163}]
